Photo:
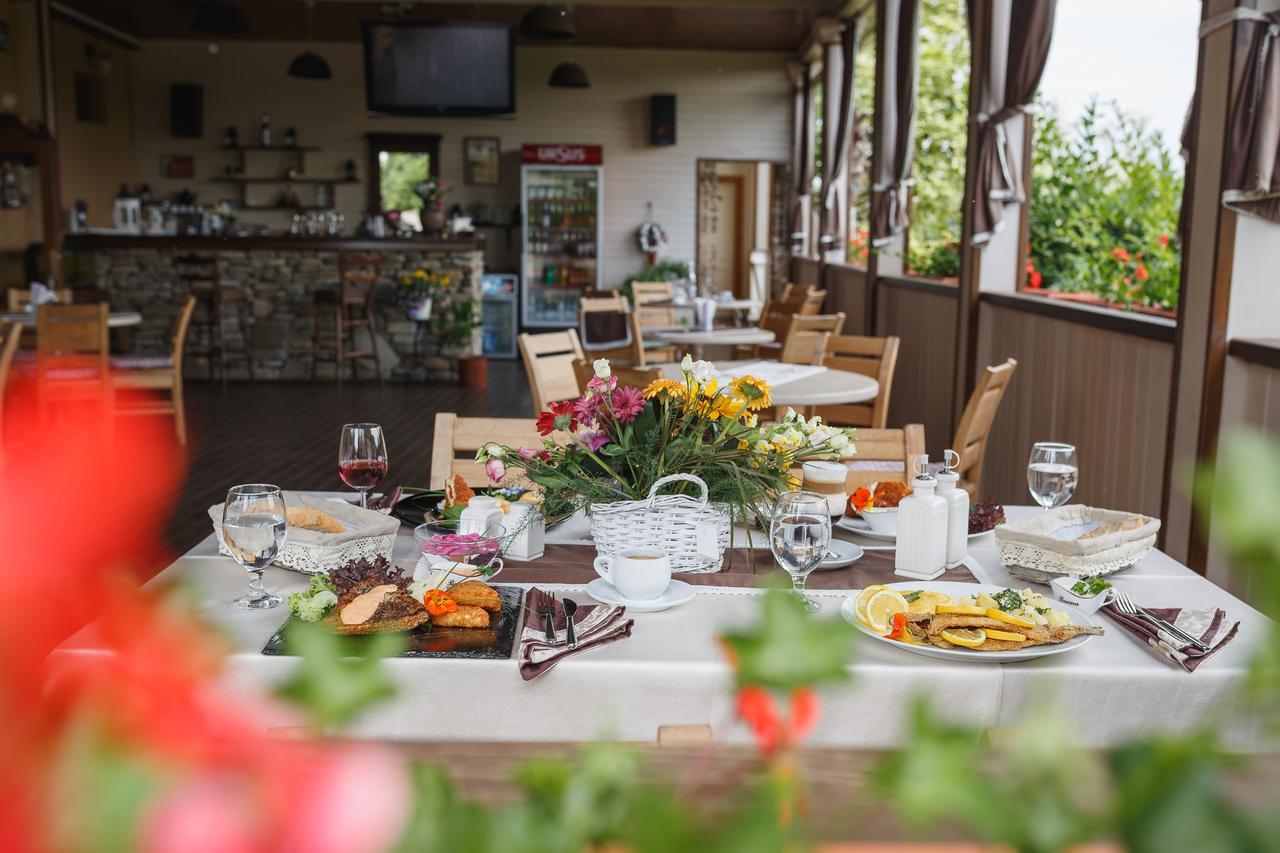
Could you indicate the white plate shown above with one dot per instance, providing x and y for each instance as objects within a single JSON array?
[
  {"x": 839, "y": 554},
  {"x": 677, "y": 593},
  {"x": 956, "y": 589},
  {"x": 847, "y": 523}
]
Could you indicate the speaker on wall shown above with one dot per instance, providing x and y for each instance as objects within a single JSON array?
[
  {"x": 662, "y": 119},
  {"x": 186, "y": 110}
]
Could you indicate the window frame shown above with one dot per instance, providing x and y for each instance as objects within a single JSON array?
[{"x": 411, "y": 143}]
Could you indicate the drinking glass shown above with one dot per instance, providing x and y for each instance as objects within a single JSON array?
[
  {"x": 1052, "y": 473},
  {"x": 253, "y": 529},
  {"x": 799, "y": 535},
  {"x": 362, "y": 458}
]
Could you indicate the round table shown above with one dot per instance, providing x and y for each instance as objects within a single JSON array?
[
  {"x": 810, "y": 387},
  {"x": 115, "y": 320},
  {"x": 696, "y": 339}
]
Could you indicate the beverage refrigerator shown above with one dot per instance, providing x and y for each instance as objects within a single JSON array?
[
  {"x": 498, "y": 314},
  {"x": 561, "y": 190}
]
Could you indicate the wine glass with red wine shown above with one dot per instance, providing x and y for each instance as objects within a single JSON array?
[{"x": 362, "y": 458}]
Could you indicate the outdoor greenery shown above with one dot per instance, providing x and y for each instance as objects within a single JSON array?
[
  {"x": 860, "y": 178},
  {"x": 398, "y": 173}
]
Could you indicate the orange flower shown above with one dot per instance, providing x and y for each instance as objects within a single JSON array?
[
  {"x": 438, "y": 602},
  {"x": 861, "y": 499},
  {"x": 1120, "y": 254},
  {"x": 1036, "y": 281},
  {"x": 1164, "y": 239},
  {"x": 1141, "y": 273}
]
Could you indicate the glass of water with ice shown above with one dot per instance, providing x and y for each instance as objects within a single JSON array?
[
  {"x": 1052, "y": 473},
  {"x": 253, "y": 529}
]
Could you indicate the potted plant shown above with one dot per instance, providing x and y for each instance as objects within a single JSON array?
[
  {"x": 416, "y": 293},
  {"x": 456, "y": 317},
  {"x": 431, "y": 191}
]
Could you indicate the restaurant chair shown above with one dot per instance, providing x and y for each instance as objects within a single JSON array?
[
  {"x": 548, "y": 362},
  {"x": 884, "y": 454},
  {"x": 975, "y": 424},
  {"x": 456, "y": 440},
  {"x": 10, "y": 337},
  {"x": 807, "y": 337},
  {"x": 608, "y": 329},
  {"x": 203, "y": 279},
  {"x": 72, "y": 350},
  {"x": 156, "y": 373},
  {"x": 874, "y": 357},
  {"x": 637, "y": 377},
  {"x": 775, "y": 316},
  {"x": 349, "y": 307},
  {"x": 643, "y": 295},
  {"x": 20, "y": 297}
]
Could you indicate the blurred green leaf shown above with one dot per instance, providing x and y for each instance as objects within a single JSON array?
[
  {"x": 790, "y": 648},
  {"x": 329, "y": 686}
]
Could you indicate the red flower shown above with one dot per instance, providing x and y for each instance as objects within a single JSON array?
[
  {"x": 560, "y": 417},
  {"x": 757, "y": 708},
  {"x": 1164, "y": 239},
  {"x": 1120, "y": 254},
  {"x": 1035, "y": 281},
  {"x": 1031, "y": 266},
  {"x": 1142, "y": 273}
]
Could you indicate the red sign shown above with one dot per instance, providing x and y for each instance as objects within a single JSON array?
[{"x": 563, "y": 155}]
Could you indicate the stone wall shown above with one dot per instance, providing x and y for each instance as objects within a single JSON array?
[{"x": 281, "y": 284}]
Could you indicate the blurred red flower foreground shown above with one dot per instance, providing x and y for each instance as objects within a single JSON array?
[{"x": 138, "y": 749}]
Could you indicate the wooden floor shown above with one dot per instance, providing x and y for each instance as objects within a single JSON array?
[{"x": 287, "y": 434}]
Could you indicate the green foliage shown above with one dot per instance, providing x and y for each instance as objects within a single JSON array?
[
  {"x": 666, "y": 269},
  {"x": 398, "y": 173},
  {"x": 453, "y": 318},
  {"x": 329, "y": 686},
  {"x": 789, "y": 648}
]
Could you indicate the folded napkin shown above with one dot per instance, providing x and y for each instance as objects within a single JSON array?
[
  {"x": 594, "y": 625},
  {"x": 1210, "y": 626}
]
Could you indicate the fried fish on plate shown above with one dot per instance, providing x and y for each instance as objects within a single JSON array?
[
  {"x": 476, "y": 594},
  {"x": 942, "y": 630}
]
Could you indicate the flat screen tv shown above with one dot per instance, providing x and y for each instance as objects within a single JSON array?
[{"x": 447, "y": 68}]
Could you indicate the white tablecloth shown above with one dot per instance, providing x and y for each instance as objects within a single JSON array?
[{"x": 672, "y": 671}]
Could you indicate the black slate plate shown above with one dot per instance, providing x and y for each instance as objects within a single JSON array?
[
  {"x": 418, "y": 507},
  {"x": 494, "y": 643}
]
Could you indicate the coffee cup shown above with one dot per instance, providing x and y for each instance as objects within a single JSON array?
[{"x": 640, "y": 574}]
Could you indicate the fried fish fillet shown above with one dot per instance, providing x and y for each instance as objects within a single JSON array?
[
  {"x": 928, "y": 628},
  {"x": 476, "y": 594},
  {"x": 465, "y": 617}
]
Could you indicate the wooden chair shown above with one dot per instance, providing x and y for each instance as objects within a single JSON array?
[
  {"x": 975, "y": 424},
  {"x": 72, "y": 351},
  {"x": 776, "y": 316},
  {"x": 20, "y": 297},
  {"x": 615, "y": 303},
  {"x": 548, "y": 362},
  {"x": 644, "y": 293},
  {"x": 157, "y": 373},
  {"x": 10, "y": 337},
  {"x": 807, "y": 337},
  {"x": 874, "y": 357},
  {"x": 456, "y": 440},
  {"x": 200, "y": 273},
  {"x": 637, "y": 377},
  {"x": 349, "y": 307},
  {"x": 884, "y": 454}
]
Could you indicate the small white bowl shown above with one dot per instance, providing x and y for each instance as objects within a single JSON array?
[
  {"x": 882, "y": 520},
  {"x": 1084, "y": 603}
]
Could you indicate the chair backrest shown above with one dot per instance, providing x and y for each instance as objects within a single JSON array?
[
  {"x": 20, "y": 297},
  {"x": 611, "y": 301},
  {"x": 812, "y": 302},
  {"x": 874, "y": 357},
  {"x": 10, "y": 336},
  {"x": 357, "y": 275},
  {"x": 975, "y": 424},
  {"x": 179, "y": 344},
  {"x": 548, "y": 362},
  {"x": 456, "y": 440},
  {"x": 637, "y": 377},
  {"x": 615, "y": 303},
  {"x": 806, "y": 339},
  {"x": 645, "y": 292},
  {"x": 72, "y": 330},
  {"x": 884, "y": 454},
  {"x": 776, "y": 314}
]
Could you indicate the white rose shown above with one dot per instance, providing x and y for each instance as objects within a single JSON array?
[
  {"x": 686, "y": 363},
  {"x": 494, "y": 451},
  {"x": 703, "y": 371},
  {"x": 601, "y": 366}
]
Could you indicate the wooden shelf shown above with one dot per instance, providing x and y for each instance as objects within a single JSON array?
[
  {"x": 301, "y": 179},
  {"x": 270, "y": 147},
  {"x": 299, "y": 208}
]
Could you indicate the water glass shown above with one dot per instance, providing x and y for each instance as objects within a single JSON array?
[
  {"x": 799, "y": 535},
  {"x": 1052, "y": 473},
  {"x": 362, "y": 458},
  {"x": 253, "y": 529}
]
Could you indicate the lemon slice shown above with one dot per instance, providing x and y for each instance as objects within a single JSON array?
[
  {"x": 860, "y": 603},
  {"x": 969, "y": 638},
  {"x": 961, "y": 610},
  {"x": 1018, "y": 621},
  {"x": 1005, "y": 635},
  {"x": 880, "y": 609}
]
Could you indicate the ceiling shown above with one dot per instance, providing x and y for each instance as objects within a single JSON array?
[{"x": 752, "y": 25}]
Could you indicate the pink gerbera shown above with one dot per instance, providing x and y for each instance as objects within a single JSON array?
[
  {"x": 586, "y": 409},
  {"x": 628, "y": 403},
  {"x": 593, "y": 441}
]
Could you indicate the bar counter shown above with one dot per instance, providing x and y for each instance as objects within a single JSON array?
[{"x": 281, "y": 274}]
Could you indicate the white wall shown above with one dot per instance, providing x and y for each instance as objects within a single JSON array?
[{"x": 729, "y": 105}]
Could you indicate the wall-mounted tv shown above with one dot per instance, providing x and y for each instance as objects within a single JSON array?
[{"x": 446, "y": 68}]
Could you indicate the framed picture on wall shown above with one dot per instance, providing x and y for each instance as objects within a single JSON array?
[
  {"x": 480, "y": 158},
  {"x": 178, "y": 166}
]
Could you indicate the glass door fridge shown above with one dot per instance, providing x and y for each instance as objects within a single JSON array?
[
  {"x": 498, "y": 315},
  {"x": 562, "y": 204}
]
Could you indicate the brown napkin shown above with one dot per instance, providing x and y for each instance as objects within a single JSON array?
[
  {"x": 594, "y": 625},
  {"x": 605, "y": 330},
  {"x": 1210, "y": 626}
]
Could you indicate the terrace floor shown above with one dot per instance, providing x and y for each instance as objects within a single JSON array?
[{"x": 287, "y": 433}]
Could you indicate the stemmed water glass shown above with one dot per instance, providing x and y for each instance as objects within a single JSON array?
[
  {"x": 362, "y": 458},
  {"x": 1052, "y": 473},
  {"x": 799, "y": 535},
  {"x": 253, "y": 529}
]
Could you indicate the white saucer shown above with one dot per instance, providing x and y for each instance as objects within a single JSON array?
[
  {"x": 839, "y": 554},
  {"x": 848, "y": 523},
  {"x": 677, "y": 593}
]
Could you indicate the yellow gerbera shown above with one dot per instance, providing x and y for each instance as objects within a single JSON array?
[
  {"x": 726, "y": 407},
  {"x": 668, "y": 387},
  {"x": 756, "y": 393}
]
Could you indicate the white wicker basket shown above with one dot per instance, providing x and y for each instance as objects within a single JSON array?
[
  {"x": 1048, "y": 544},
  {"x": 693, "y": 532}
]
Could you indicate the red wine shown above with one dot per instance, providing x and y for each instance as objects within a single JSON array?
[{"x": 362, "y": 473}]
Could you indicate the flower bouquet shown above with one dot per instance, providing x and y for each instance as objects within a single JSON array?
[
  {"x": 417, "y": 290},
  {"x": 621, "y": 441}
]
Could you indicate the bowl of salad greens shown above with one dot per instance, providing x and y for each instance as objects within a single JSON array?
[{"x": 1086, "y": 592}]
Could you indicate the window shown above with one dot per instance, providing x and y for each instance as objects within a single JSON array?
[
  {"x": 399, "y": 167},
  {"x": 942, "y": 109},
  {"x": 1106, "y": 183},
  {"x": 864, "y": 100}
]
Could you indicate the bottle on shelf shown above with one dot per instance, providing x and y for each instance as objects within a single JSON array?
[{"x": 264, "y": 131}]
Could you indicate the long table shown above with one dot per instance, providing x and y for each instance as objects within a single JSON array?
[{"x": 672, "y": 670}]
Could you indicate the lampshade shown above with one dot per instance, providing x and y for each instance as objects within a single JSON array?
[
  {"x": 310, "y": 66},
  {"x": 569, "y": 75},
  {"x": 548, "y": 22},
  {"x": 219, "y": 18}
]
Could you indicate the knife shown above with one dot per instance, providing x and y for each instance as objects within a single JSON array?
[{"x": 570, "y": 608}]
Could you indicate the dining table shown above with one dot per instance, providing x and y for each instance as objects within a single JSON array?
[
  {"x": 696, "y": 339},
  {"x": 115, "y": 320},
  {"x": 673, "y": 670},
  {"x": 797, "y": 385}
]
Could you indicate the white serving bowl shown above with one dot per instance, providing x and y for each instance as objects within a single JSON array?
[
  {"x": 1084, "y": 603},
  {"x": 882, "y": 520}
]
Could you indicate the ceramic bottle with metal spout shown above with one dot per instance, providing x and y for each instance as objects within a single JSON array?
[
  {"x": 957, "y": 509},
  {"x": 921, "y": 552}
]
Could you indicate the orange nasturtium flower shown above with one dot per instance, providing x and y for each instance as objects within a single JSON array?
[
  {"x": 1141, "y": 273},
  {"x": 861, "y": 499},
  {"x": 438, "y": 602}
]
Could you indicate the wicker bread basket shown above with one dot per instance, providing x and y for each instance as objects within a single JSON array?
[
  {"x": 1054, "y": 543},
  {"x": 693, "y": 532}
]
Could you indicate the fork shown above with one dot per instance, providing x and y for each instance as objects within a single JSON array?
[
  {"x": 548, "y": 613},
  {"x": 1127, "y": 605}
]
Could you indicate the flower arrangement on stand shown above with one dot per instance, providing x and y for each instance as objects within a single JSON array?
[{"x": 417, "y": 291}]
